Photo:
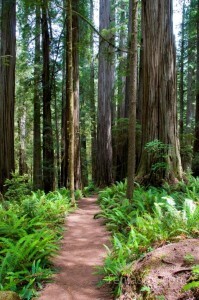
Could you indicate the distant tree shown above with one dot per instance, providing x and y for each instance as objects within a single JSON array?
[
  {"x": 105, "y": 92},
  {"x": 70, "y": 94},
  {"x": 48, "y": 151},
  {"x": 132, "y": 102},
  {"x": 196, "y": 142},
  {"x": 181, "y": 85},
  {"x": 159, "y": 117},
  {"x": 92, "y": 100},
  {"x": 120, "y": 134},
  {"x": 75, "y": 40},
  {"x": 7, "y": 88},
  {"x": 37, "y": 163}
]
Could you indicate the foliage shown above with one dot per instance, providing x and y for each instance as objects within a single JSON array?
[
  {"x": 90, "y": 189},
  {"x": 18, "y": 187},
  {"x": 30, "y": 229},
  {"x": 194, "y": 280},
  {"x": 152, "y": 218},
  {"x": 159, "y": 152}
]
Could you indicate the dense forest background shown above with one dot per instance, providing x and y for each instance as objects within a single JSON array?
[
  {"x": 105, "y": 103},
  {"x": 81, "y": 104}
]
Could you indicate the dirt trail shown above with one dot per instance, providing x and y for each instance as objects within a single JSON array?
[{"x": 82, "y": 250}]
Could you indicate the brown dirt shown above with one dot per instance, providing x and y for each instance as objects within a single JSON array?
[
  {"x": 81, "y": 251},
  {"x": 165, "y": 271}
]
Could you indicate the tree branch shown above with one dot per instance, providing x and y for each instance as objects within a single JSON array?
[{"x": 95, "y": 30}]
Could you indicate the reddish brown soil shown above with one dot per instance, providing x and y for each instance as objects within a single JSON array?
[
  {"x": 82, "y": 250},
  {"x": 165, "y": 271}
]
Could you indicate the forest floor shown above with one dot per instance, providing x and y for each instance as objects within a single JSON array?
[{"x": 82, "y": 250}]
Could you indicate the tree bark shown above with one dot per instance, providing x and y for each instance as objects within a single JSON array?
[
  {"x": 92, "y": 100},
  {"x": 71, "y": 101},
  {"x": 37, "y": 163},
  {"x": 48, "y": 150},
  {"x": 105, "y": 92},
  {"x": 195, "y": 166},
  {"x": 7, "y": 89},
  {"x": 133, "y": 100},
  {"x": 181, "y": 87},
  {"x": 23, "y": 168},
  {"x": 159, "y": 116},
  {"x": 65, "y": 113},
  {"x": 121, "y": 135},
  {"x": 75, "y": 39}
]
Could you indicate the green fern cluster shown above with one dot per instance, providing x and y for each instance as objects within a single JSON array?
[
  {"x": 153, "y": 217},
  {"x": 30, "y": 230}
]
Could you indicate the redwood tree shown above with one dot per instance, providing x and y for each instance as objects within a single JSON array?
[
  {"x": 7, "y": 88},
  {"x": 196, "y": 142},
  {"x": 132, "y": 102},
  {"x": 37, "y": 167},
  {"x": 105, "y": 90},
  {"x": 70, "y": 95},
  {"x": 75, "y": 40},
  {"x": 159, "y": 117},
  {"x": 48, "y": 151}
]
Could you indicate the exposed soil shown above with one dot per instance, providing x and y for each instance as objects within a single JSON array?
[
  {"x": 81, "y": 251},
  {"x": 164, "y": 272}
]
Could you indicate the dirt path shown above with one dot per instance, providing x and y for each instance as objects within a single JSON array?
[{"x": 82, "y": 250}]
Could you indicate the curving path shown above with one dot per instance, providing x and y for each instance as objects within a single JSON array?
[{"x": 82, "y": 250}]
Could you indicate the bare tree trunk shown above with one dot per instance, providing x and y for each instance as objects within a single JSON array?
[
  {"x": 159, "y": 116},
  {"x": 127, "y": 91},
  {"x": 23, "y": 169},
  {"x": 48, "y": 151},
  {"x": 191, "y": 75},
  {"x": 92, "y": 100},
  {"x": 65, "y": 115},
  {"x": 71, "y": 101},
  {"x": 77, "y": 174},
  {"x": 37, "y": 169},
  {"x": 7, "y": 89},
  {"x": 57, "y": 135},
  {"x": 133, "y": 100},
  {"x": 119, "y": 151},
  {"x": 105, "y": 90},
  {"x": 195, "y": 166},
  {"x": 181, "y": 87},
  {"x": 190, "y": 88}
]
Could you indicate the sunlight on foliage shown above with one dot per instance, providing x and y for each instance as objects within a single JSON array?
[
  {"x": 30, "y": 230},
  {"x": 153, "y": 217}
]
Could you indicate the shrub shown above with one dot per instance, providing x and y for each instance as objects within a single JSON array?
[
  {"x": 30, "y": 231},
  {"x": 152, "y": 218}
]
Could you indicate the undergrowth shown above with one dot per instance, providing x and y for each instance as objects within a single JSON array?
[
  {"x": 154, "y": 216},
  {"x": 30, "y": 230}
]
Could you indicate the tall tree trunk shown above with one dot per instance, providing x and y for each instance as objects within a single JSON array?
[
  {"x": 48, "y": 151},
  {"x": 190, "y": 88},
  {"x": 58, "y": 171},
  {"x": 71, "y": 101},
  {"x": 105, "y": 89},
  {"x": 65, "y": 114},
  {"x": 77, "y": 170},
  {"x": 7, "y": 89},
  {"x": 121, "y": 135},
  {"x": 195, "y": 167},
  {"x": 92, "y": 100},
  {"x": 159, "y": 116},
  {"x": 133, "y": 100},
  {"x": 127, "y": 91},
  {"x": 22, "y": 141},
  {"x": 191, "y": 72},
  {"x": 181, "y": 87},
  {"x": 37, "y": 163}
]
